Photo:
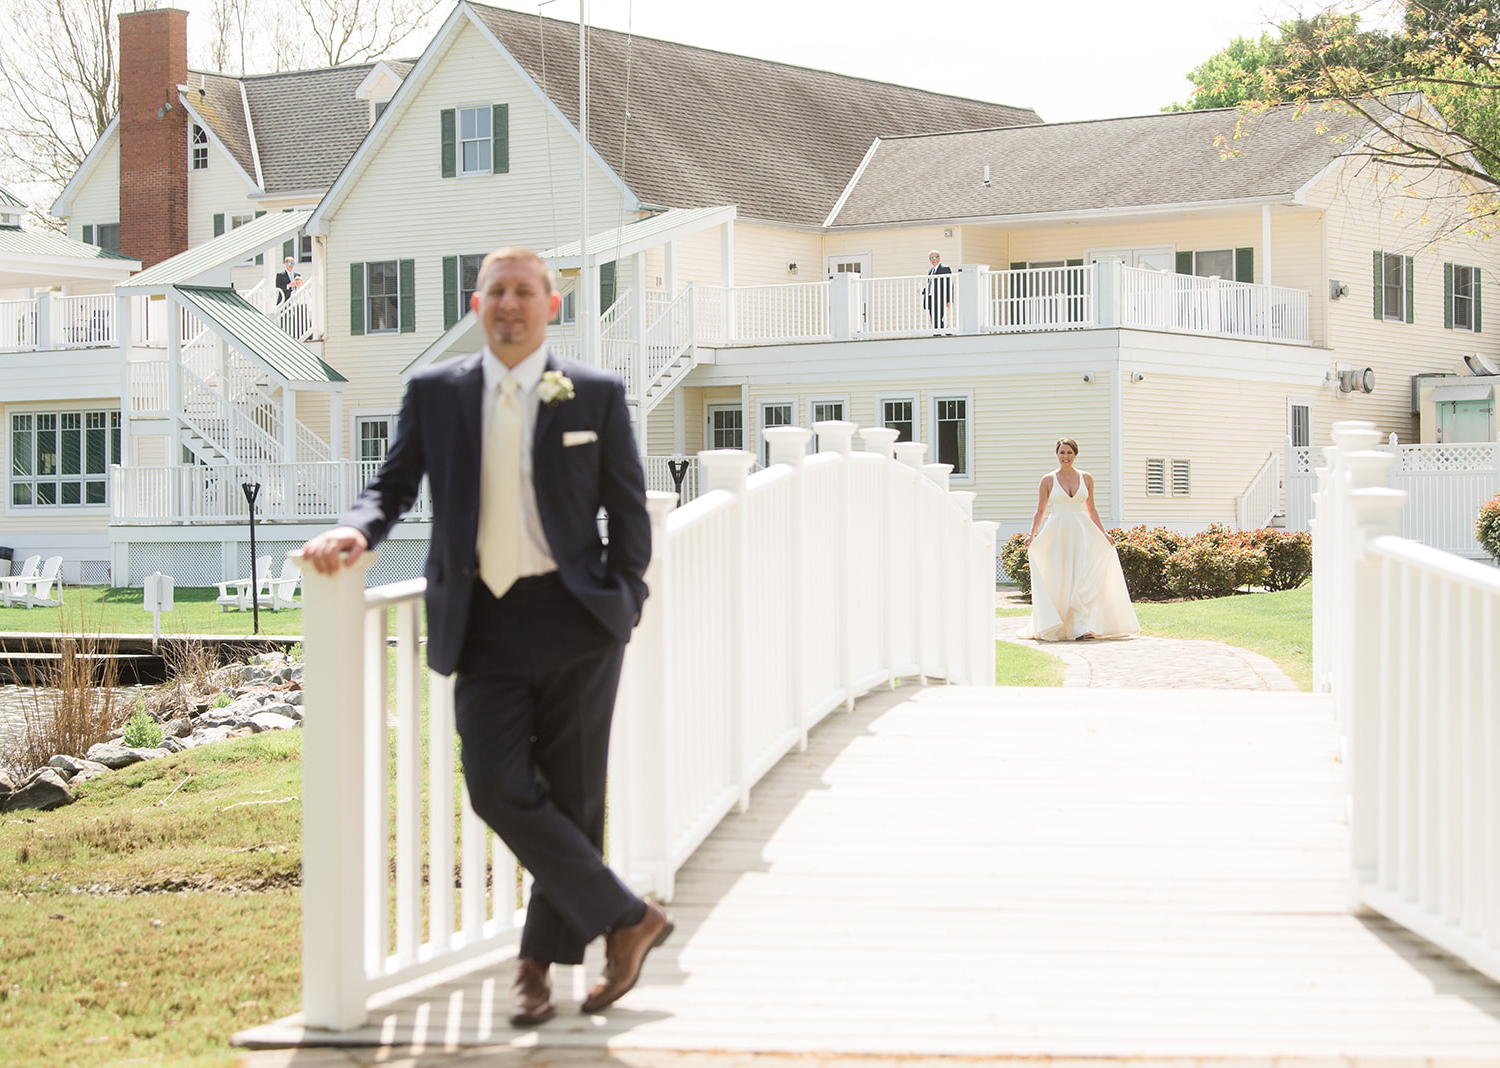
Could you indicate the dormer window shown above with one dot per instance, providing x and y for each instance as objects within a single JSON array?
[{"x": 199, "y": 148}]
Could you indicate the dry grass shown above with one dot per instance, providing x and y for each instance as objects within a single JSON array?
[{"x": 74, "y": 699}]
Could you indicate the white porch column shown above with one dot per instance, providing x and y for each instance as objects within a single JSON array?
[
  {"x": 939, "y": 666},
  {"x": 751, "y": 442},
  {"x": 123, "y": 331},
  {"x": 726, "y": 276},
  {"x": 881, "y": 441},
  {"x": 669, "y": 268},
  {"x": 1117, "y": 443},
  {"x": 726, "y": 469},
  {"x": 912, "y": 453},
  {"x": 1265, "y": 244},
  {"x": 288, "y": 425},
  {"x": 788, "y": 445},
  {"x": 334, "y": 837},
  {"x": 174, "y": 381},
  {"x": 46, "y": 321},
  {"x": 837, "y": 435},
  {"x": 843, "y": 295},
  {"x": 1107, "y": 278},
  {"x": 970, "y": 293}
]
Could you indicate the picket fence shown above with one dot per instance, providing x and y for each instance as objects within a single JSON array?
[
  {"x": 1404, "y": 637},
  {"x": 776, "y": 599}
]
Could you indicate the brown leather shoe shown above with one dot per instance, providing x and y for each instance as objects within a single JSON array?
[
  {"x": 531, "y": 994},
  {"x": 625, "y": 950}
]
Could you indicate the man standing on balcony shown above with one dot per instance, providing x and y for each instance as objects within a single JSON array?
[
  {"x": 284, "y": 280},
  {"x": 528, "y": 606},
  {"x": 939, "y": 291}
]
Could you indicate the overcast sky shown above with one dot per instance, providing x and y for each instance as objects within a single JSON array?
[{"x": 1085, "y": 59}]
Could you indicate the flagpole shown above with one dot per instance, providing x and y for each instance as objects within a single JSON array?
[{"x": 586, "y": 317}]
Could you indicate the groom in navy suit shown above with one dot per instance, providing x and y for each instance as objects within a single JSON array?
[{"x": 529, "y": 606}]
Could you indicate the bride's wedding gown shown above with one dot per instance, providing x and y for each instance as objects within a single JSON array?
[{"x": 1077, "y": 586}]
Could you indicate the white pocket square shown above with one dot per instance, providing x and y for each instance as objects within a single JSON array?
[{"x": 578, "y": 437}]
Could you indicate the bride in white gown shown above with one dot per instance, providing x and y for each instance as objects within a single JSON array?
[{"x": 1077, "y": 588}]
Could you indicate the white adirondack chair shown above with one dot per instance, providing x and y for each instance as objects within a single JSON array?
[
  {"x": 35, "y": 591},
  {"x": 12, "y": 586},
  {"x": 240, "y": 594},
  {"x": 283, "y": 589}
]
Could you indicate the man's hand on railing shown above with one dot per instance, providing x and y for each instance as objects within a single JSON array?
[{"x": 325, "y": 552}]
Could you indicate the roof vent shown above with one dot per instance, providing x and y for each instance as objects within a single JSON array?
[{"x": 986, "y": 182}]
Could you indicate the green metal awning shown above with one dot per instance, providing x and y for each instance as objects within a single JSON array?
[
  {"x": 257, "y": 337},
  {"x": 185, "y": 268}
]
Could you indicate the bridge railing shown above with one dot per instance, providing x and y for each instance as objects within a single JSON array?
[
  {"x": 1405, "y": 635},
  {"x": 776, "y": 598}
]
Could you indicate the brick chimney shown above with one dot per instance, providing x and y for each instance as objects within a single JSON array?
[{"x": 153, "y": 137}]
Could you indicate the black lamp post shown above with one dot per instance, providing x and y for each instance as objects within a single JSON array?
[{"x": 252, "y": 490}]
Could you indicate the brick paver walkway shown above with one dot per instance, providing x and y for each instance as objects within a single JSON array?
[{"x": 1148, "y": 662}]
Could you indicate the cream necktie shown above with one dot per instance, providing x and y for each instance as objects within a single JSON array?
[{"x": 500, "y": 493}]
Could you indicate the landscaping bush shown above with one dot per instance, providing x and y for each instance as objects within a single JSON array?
[
  {"x": 1215, "y": 563},
  {"x": 1143, "y": 558},
  {"x": 1487, "y": 527},
  {"x": 143, "y": 732},
  {"x": 1288, "y": 556},
  {"x": 1015, "y": 562}
]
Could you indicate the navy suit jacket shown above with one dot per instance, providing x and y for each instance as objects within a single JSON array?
[{"x": 439, "y": 435}]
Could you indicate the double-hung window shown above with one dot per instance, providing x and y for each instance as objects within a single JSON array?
[
  {"x": 951, "y": 425},
  {"x": 374, "y": 438},
  {"x": 1461, "y": 297},
  {"x": 1394, "y": 288},
  {"x": 774, "y": 413},
  {"x": 474, "y": 140},
  {"x": 897, "y": 414},
  {"x": 62, "y": 458},
  {"x": 107, "y": 236},
  {"x": 726, "y": 426},
  {"x": 382, "y": 296}
]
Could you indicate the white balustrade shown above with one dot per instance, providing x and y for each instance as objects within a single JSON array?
[
  {"x": 84, "y": 322},
  {"x": 210, "y": 493},
  {"x": 148, "y": 387},
  {"x": 1262, "y": 499},
  {"x": 776, "y": 598},
  {"x": 1184, "y": 303},
  {"x": 1041, "y": 298},
  {"x": 659, "y": 475},
  {"x": 17, "y": 324},
  {"x": 1408, "y": 634},
  {"x": 796, "y": 312},
  {"x": 889, "y": 307}
]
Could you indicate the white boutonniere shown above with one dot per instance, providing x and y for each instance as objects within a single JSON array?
[{"x": 554, "y": 388}]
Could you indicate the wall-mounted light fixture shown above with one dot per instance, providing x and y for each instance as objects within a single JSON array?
[
  {"x": 1088, "y": 376},
  {"x": 986, "y": 181},
  {"x": 1337, "y": 289},
  {"x": 1137, "y": 376},
  {"x": 791, "y": 268},
  {"x": 166, "y": 107},
  {"x": 947, "y": 233}
]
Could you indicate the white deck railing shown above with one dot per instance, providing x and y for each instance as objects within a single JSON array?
[
  {"x": 1041, "y": 298},
  {"x": 1445, "y": 485},
  {"x": 1262, "y": 498},
  {"x": 17, "y": 324},
  {"x": 1184, "y": 303},
  {"x": 889, "y": 307},
  {"x": 1405, "y": 637},
  {"x": 781, "y": 313},
  {"x": 775, "y": 599},
  {"x": 210, "y": 493}
]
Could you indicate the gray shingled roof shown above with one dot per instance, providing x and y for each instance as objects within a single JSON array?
[
  {"x": 307, "y": 123},
  {"x": 1145, "y": 161},
  {"x": 711, "y": 128}
]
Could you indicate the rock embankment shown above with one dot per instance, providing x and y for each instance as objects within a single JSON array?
[{"x": 267, "y": 697}]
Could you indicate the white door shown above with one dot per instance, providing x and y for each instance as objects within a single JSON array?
[
  {"x": 1155, "y": 257},
  {"x": 847, "y": 263}
]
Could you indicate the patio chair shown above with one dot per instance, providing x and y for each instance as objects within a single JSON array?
[
  {"x": 283, "y": 589},
  {"x": 245, "y": 590},
  {"x": 12, "y": 587},
  {"x": 35, "y": 591}
]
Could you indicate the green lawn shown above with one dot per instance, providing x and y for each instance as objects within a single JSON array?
[
  {"x": 1276, "y": 625},
  {"x": 1018, "y": 665},
  {"x": 117, "y": 610}
]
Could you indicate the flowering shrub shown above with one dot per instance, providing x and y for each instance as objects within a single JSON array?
[
  {"x": 1143, "y": 557},
  {"x": 1215, "y": 563},
  {"x": 1015, "y": 562},
  {"x": 1487, "y": 527},
  {"x": 1288, "y": 556}
]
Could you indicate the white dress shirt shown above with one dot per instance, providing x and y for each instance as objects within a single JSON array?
[{"x": 534, "y": 554}]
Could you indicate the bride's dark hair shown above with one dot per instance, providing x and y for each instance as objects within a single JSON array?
[{"x": 1069, "y": 442}]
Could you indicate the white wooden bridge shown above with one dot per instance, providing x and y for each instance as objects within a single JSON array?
[{"x": 1184, "y": 877}]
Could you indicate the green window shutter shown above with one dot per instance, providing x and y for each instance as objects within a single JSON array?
[
  {"x": 289, "y": 247},
  {"x": 1447, "y": 296},
  {"x": 1379, "y": 285},
  {"x": 258, "y": 214},
  {"x": 448, "y": 120},
  {"x": 1244, "y": 265},
  {"x": 1477, "y": 291},
  {"x": 1075, "y": 263},
  {"x": 606, "y": 286},
  {"x": 501, "y": 159},
  {"x": 219, "y": 224},
  {"x": 451, "y": 310},
  {"x": 1411, "y": 292},
  {"x": 1184, "y": 263},
  {"x": 1018, "y": 266},
  {"x": 356, "y": 299},
  {"x": 407, "y": 279},
  {"x": 88, "y": 234}
]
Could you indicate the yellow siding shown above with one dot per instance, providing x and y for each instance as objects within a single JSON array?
[
  {"x": 1363, "y": 217},
  {"x": 401, "y": 207},
  {"x": 986, "y": 244},
  {"x": 897, "y": 253},
  {"x": 761, "y": 255},
  {"x": 219, "y": 189},
  {"x": 98, "y": 200}
]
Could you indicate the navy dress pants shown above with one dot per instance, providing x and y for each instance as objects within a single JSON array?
[{"x": 533, "y": 698}]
